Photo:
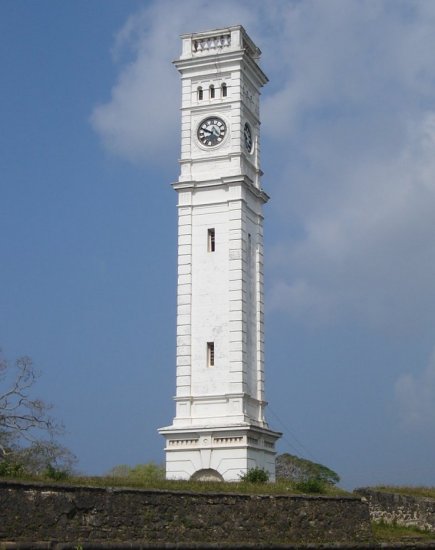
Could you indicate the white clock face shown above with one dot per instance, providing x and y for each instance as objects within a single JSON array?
[
  {"x": 247, "y": 137},
  {"x": 211, "y": 131}
]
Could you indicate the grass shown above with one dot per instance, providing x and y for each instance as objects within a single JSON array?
[
  {"x": 403, "y": 490},
  {"x": 277, "y": 488},
  {"x": 384, "y": 532}
]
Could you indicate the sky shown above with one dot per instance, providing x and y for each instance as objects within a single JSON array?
[{"x": 89, "y": 145}]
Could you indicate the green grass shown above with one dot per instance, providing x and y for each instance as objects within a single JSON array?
[
  {"x": 411, "y": 491},
  {"x": 278, "y": 488},
  {"x": 384, "y": 532}
]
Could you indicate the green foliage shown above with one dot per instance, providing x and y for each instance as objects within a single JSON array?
[
  {"x": 55, "y": 473},
  {"x": 141, "y": 473},
  {"x": 39, "y": 460},
  {"x": 392, "y": 532},
  {"x": 255, "y": 475},
  {"x": 301, "y": 470},
  {"x": 11, "y": 469},
  {"x": 312, "y": 485}
]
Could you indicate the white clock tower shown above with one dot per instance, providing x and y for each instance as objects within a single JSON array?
[{"x": 219, "y": 430}]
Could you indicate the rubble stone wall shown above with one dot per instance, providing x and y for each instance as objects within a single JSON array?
[
  {"x": 406, "y": 510},
  {"x": 44, "y": 512}
]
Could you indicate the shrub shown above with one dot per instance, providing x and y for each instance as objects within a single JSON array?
[
  {"x": 11, "y": 469},
  {"x": 56, "y": 473},
  {"x": 313, "y": 485},
  {"x": 255, "y": 475}
]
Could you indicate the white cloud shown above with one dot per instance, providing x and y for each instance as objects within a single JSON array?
[
  {"x": 137, "y": 121},
  {"x": 348, "y": 142},
  {"x": 367, "y": 242},
  {"x": 140, "y": 122},
  {"x": 415, "y": 396},
  {"x": 353, "y": 122}
]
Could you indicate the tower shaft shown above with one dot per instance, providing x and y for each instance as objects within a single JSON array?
[{"x": 219, "y": 430}]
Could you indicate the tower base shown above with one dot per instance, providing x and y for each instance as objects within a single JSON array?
[{"x": 218, "y": 453}]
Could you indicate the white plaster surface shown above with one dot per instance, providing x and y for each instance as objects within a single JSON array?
[{"x": 219, "y": 422}]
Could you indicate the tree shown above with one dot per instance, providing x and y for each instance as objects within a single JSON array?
[
  {"x": 46, "y": 458},
  {"x": 301, "y": 470},
  {"x": 27, "y": 431}
]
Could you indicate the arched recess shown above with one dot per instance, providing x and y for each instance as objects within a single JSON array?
[{"x": 207, "y": 474}]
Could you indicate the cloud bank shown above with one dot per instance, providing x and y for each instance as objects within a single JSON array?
[
  {"x": 348, "y": 150},
  {"x": 352, "y": 122}
]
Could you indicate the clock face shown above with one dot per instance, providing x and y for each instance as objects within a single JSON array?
[
  {"x": 247, "y": 137},
  {"x": 212, "y": 131}
]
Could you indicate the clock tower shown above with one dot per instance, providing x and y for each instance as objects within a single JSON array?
[{"x": 219, "y": 430}]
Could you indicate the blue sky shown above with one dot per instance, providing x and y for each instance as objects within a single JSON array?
[{"x": 88, "y": 149}]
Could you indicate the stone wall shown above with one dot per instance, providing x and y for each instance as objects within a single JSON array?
[
  {"x": 409, "y": 511},
  {"x": 42, "y": 512}
]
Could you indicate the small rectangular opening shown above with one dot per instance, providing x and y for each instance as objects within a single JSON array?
[
  {"x": 211, "y": 244},
  {"x": 210, "y": 354}
]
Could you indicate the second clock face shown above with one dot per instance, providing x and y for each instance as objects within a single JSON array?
[
  {"x": 212, "y": 131},
  {"x": 247, "y": 136}
]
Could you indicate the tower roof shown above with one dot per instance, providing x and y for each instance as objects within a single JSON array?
[
  {"x": 223, "y": 46},
  {"x": 218, "y": 40}
]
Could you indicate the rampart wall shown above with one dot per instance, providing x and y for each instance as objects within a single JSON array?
[
  {"x": 44, "y": 512},
  {"x": 399, "y": 509}
]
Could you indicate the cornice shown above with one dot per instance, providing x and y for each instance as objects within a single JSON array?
[
  {"x": 207, "y": 428},
  {"x": 223, "y": 182},
  {"x": 221, "y": 58}
]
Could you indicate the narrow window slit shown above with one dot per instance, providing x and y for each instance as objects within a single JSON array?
[
  {"x": 210, "y": 354},
  {"x": 211, "y": 241}
]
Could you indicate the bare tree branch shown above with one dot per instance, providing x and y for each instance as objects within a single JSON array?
[{"x": 21, "y": 416}]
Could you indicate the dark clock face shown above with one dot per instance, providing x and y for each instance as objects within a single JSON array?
[
  {"x": 247, "y": 137},
  {"x": 212, "y": 131}
]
